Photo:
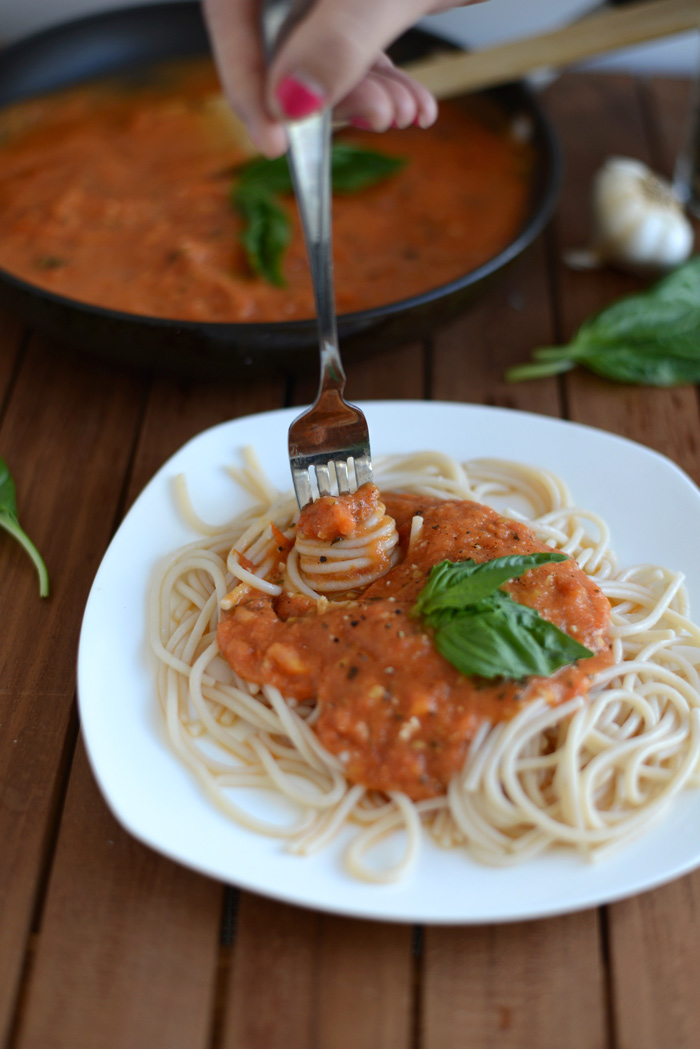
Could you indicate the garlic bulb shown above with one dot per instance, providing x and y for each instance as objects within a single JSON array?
[{"x": 639, "y": 223}]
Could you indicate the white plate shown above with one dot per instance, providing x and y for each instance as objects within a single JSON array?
[{"x": 654, "y": 512}]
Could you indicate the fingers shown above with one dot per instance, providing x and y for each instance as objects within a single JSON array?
[
  {"x": 334, "y": 57},
  {"x": 332, "y": 51},
  {"x": 234, "y": 31},
  {"x": 386, "y": 98}
]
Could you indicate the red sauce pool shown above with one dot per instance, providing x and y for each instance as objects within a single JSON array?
[{"x": 118, "y": 196}]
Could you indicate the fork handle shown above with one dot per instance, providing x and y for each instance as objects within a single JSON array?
[
  {"x": 310, "y": 165},
  {"x": 309, "y": 160}
]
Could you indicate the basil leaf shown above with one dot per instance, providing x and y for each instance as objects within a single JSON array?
[
  {"x": 498, "y": 637},
  {"x": 10, "y": 522},
  {"x": 354, "y": 168},
  {"x": 267, "y": 228},
  {"x": 270, "y": 175},
  {"x": 456, "y": 584},
  {"x": 266, "y": 234},
  {"x": 482, "y": 631},
  {"x": 651, "y": 338}
]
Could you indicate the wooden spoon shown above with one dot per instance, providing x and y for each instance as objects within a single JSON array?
[{"x": 454, "y": 74}]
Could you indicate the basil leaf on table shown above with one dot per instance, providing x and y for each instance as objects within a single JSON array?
[
  {"x": 10, "y": 522},
  {"x": 267, "y": 227},
  {"x": 482, "y": 631},
  {"x": 651, "y": 338}
]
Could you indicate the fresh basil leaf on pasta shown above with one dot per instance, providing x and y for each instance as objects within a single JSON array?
[
  {"x": 10, "y": 522},
  {"x": 651, "y": 338},
  {"x": 482, "y": 631},
  {"x": 457, "y": 584},
  {"x": 498, "y": 637}
]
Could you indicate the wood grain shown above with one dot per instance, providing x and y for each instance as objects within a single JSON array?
[
  {"x": 300, "y": 979},
  {"x": 143, "y": 930},
  {"x": 393, "y": 373},
  {"x": 664, "y": 419},
  {"x": 270, "y": 995},
  {"x": 654, "y": 938},
  {"x": 67, "y": 432},
  {"x": 499, "y": 329},
  {"x": 12, "y": 331},
  {"x": 515, "y": 986},
  {"x": 128, "y": 940},
  {"x": 655, "y": 955}
]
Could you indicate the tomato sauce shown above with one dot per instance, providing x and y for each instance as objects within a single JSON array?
[
  {"x": 118, "y": 195},
  {"x": 396, "y": 713}
]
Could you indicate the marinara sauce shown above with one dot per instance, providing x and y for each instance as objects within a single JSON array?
[
  {"x": 118, "y": 194},
  {"x": 396, "y": 713}
]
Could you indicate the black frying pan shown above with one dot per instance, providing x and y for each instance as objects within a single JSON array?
[{"x": 123, "y": 40}]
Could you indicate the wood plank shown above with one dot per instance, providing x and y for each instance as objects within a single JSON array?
[
  {"x": 653, "y": 938},
  {"x": 375, "y": 961},
  {"x": 488, "y": 985},
  {"x": 178, "y": 409},
  {"x": 396, "y": 373},
  {"x": 67, "y": 433},
  {"x": 667, "y": 102},
  {"x": 664, "y": 419},
  {"x": 500, "y": 329},
  {"x": 128, "y": 942},
  {"x": 270, "y": 994},
  {"x": 143, "y": 931},
  {"x": 514, "y": 986},
  {"x": 655, "y": 957},
  {"x": 12, "y": 333},
  {"x": 301, "y": 979}
]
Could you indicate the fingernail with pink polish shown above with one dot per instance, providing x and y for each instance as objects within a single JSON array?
[
  {"x": 297, "y": 98},
  {"x": 363, "y": 125}
]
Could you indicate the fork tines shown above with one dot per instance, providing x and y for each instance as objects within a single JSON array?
[{"x": 332, "y": 475}]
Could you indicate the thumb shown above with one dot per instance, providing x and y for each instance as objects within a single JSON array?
[{"x": 332, "y": 49}]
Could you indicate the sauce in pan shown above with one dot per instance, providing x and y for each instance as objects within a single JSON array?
[{"x": 118, "y": 194}]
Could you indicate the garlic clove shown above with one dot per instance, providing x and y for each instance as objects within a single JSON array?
[{"x": 639, "y": 224}]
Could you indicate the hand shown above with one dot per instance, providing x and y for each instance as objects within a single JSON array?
[{"x": 334, "y": 57}]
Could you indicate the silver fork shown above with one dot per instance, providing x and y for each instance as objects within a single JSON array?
[{"x": 331, "y": 437}]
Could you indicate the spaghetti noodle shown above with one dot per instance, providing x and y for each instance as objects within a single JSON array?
[{"x": 587, "y": 773}]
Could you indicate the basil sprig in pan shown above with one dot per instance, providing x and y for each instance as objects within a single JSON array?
[
  {"x": 10, "y": 522},
  {"x": 482, "y": 631},
  {"x": 651, "y": 338},
  {"x": 267, "y": 227}
]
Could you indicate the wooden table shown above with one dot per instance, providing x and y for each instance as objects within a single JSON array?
[{"x": 105, "y": 944}]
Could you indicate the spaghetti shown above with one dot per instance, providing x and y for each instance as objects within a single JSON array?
[{"x": 587, "y": 773}]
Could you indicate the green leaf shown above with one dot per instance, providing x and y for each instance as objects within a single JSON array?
[
  {"x": 498, "y": 637},
  {"x": 10, "y": 522},
  {"x": 263, "y": 174},
  {"x": 455, "y": 585},
  {"x": 482, "y": 631},
  {"x": 354, "y": 168},
  {"x": 266, "y": 233},
  {"x": 267, "y": 227},
  {"x": 651, "y": 338}
]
